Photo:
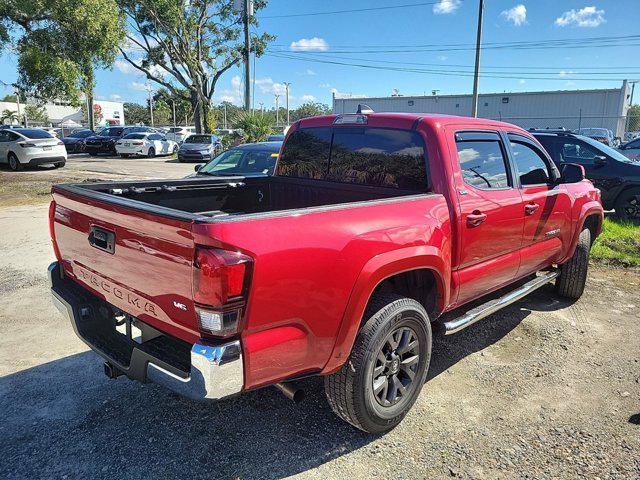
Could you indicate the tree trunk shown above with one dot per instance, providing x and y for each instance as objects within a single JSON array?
[
  {"x": 90, "y": 118},
  {"x": 89, "y": 81},
  {"x": 198, "y": 119}
]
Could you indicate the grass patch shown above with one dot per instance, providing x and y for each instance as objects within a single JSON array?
[{"x": 618, "y": 244}]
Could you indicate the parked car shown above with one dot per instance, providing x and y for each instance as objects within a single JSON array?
[
  {"x": 339, "y": 265},
  {"x": 250, "y": 159},
  {"x": 628, "y": 136},
  {"x": 146, "y": 144},
  {"x": 74, "y": 142},
  {"x": 617, "y": 176},
  {"x": 178, "y": 134},
  {"x": 603, "y": 135},
  {"x": 30, "y": 146},
  {"x": 631, "y": 149},
  {"x": 105, "y": 140},
  {"x": 199, "y": 147}
]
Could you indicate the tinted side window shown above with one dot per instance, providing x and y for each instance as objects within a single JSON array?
[
  {"x": 378, "y": 157},
  {"x": 483, "y": 163},
  {"x": 532, "y": 169},
  {"x": 574, "y": 151},
  {"x": 306, "y": 153}
]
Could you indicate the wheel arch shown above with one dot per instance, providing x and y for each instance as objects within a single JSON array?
[{"x": 391, "y": 271}]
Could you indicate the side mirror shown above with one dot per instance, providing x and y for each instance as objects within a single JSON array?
[
  {"x": 198, "y": 167},
  {"x": 600, "y": 160},
  {"x": 571, "y": 173}
]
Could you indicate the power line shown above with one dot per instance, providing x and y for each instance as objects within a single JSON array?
[
  {"x": 355, "y": 10},
  {"x": 437, "y": 72}
]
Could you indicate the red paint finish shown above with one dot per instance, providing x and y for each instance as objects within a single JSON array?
[{"x": 313, "y": 271}]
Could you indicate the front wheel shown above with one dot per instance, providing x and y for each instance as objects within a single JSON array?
[
  {"x": 59, "y": 164},
  {"x": 387, "y": 367},
  {"x": 573, "y": 274},
  {"x": 628, "y": 204},
  {"x": 151, "y": 152},
  {"x": 14, "y": 163}
]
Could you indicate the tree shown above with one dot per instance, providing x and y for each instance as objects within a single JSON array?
[
  {"x": 60, "y": 43},
  {"x": 135, "y": 113},
  {"x": 36, "y": 114},
  {"x": 255, "y": 127},
  {"x": 10, "y": 98},
  {"x": 186, "y": 46},
  {"x": 310, "y": 109},
  {"x": 10, "y": 115},
  {"x": 633, "y": 114}
]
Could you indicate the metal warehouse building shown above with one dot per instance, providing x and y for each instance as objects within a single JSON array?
[{"x": 571, "y": 109}]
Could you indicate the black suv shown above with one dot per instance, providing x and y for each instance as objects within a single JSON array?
[
  {"x": 105, "y": 140},
  {"x": 617, "y": 176}
]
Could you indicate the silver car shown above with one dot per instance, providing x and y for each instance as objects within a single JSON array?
[{"x": 199, "y": 147}]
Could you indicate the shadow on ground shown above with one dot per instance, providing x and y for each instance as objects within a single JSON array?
[{"x": 66, "y": 418}]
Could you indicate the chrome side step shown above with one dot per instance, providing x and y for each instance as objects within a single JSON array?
[{"x": 492, "y": 306}]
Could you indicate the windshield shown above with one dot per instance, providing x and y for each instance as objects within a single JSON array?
[
  {"x": 81, "y": 134},
  {"x": 36, "y": 134},
  {"x": 111, "y": 132},
  {"x": 199, "y": 139},
  {"x": 607, "y": 150},
  {"x": 239, "y": 161},
  {"x": 593, "y": 131}
]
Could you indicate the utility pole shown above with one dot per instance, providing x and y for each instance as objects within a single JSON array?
[
  {"x": 286, "y": 84},
  {"x": 253, "y": 92},
  {"x": 261, "y": 108},
  {"x": 174, "y": 111},
  {"x": 17, "y": 92},
  {"x": 277, "y": 110},
  {"x": 476, "y": 74},
  {"x": 248, "y": 11},
  {"x": 149, "y": 89}
]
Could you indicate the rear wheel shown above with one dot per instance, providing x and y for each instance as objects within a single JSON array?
[
  {"x": 628, "y": 204},
  {"x": 59, "y": 164},
  {"x": 124, "y": 155},
  {"x": 175, "y": 149},
  {"x": 93, "y": 154},
  {"x": 387, "y": 367},
  {"x": 151, "y": 153},
  {"x": 573, "y": 274},
  {"x": 14, "y": 163}
]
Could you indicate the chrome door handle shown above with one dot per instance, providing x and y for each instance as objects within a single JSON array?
[
  {"x": 531, "y": 208},
  {"x": 476, "y": 218}
]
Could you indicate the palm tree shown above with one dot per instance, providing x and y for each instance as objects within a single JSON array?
[
  {"x": 255, "y": 127},
  {"x": 10, "y": 115}
]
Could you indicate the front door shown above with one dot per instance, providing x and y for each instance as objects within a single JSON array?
[
  {"x": 546, "y": 206},
  {"x": 491, "y": 220}
]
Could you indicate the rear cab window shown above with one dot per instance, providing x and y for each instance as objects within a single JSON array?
[
  {"x": 371, "y": 156},
  {"x": 483, "y": 160},
  {"x": 531, "y": 164}
]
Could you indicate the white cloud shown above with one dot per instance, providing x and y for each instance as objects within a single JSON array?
[
  {"x": 570, "y": 84},
  {"x": 442, "y": 58},
  {"x": 234, "y": 93},
  {"x": 308, "y": 72},
  {"x": 307, "y": 98},
  {"x": 565, "y": 73},
  {"x": 517, "y": 15},
  {"x": 310, "y": 44},
  {"x": 268, "y": 86},
  {"x": 585, "y": 17},
  {"x": 446, "y": 6},
  {"x": 522, "y": 81},
  {"x": 138, "y": 86},
  {"x": 325, "y": 85},
  {"x": 128, "y": 69},
  {"x": 114, "y": 97}
]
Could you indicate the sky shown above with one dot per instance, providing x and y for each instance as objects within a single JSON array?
[{"x": 412, "y": 48}]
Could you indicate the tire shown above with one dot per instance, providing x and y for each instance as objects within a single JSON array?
[
  {"x": 14, "y": 163},
  {"x": 627, "y": 205},
  {"x": 124, "y": 155},
  {"x": 573, "y": 274},
  {"x": 93, "y": 154},
  {"x": 174, "y": 150},
  {"x": 151, "y": 152},
  {"x": 351, "y": 391},
  {"x": 59, "y": 164}
]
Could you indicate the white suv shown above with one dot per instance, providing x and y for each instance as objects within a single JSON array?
[
  {"x": 30, "y": 146},
  {"x": 178, "y": 134}
]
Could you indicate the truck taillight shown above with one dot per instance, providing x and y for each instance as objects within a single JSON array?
[
  {"x": 220, "y": 283},
  {"x": 52, "y": 218}
]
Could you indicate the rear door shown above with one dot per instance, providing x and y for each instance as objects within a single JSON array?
[
  {"x": 491, "y": 219},
  {"x": 546, "y": 206}
]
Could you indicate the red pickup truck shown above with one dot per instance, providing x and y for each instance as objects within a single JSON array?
[{"x": 340, "y": 265}]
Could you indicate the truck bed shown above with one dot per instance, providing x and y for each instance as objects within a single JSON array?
[{"x": 210, "y": 199}]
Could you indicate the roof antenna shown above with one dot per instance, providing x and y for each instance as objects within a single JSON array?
[{"x": 363, "y": 108}]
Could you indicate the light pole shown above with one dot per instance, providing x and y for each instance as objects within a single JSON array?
[
  {"x": 286, "y": 84},
  {"x": 476, "y": 74},
  {"x": 261, "y": 108},
  {"x": 277, "y": 110},
  {"x": 149, "y": 90},
  {"x": 174, "y": 112}
]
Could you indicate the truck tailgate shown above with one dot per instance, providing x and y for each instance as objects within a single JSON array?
[{"x": 139, "y": 262}]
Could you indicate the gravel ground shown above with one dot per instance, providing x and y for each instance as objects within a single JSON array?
[{"x": 542, "y": 389}]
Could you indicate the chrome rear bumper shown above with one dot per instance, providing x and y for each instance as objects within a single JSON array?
[{"x": 200, "y": 372}]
